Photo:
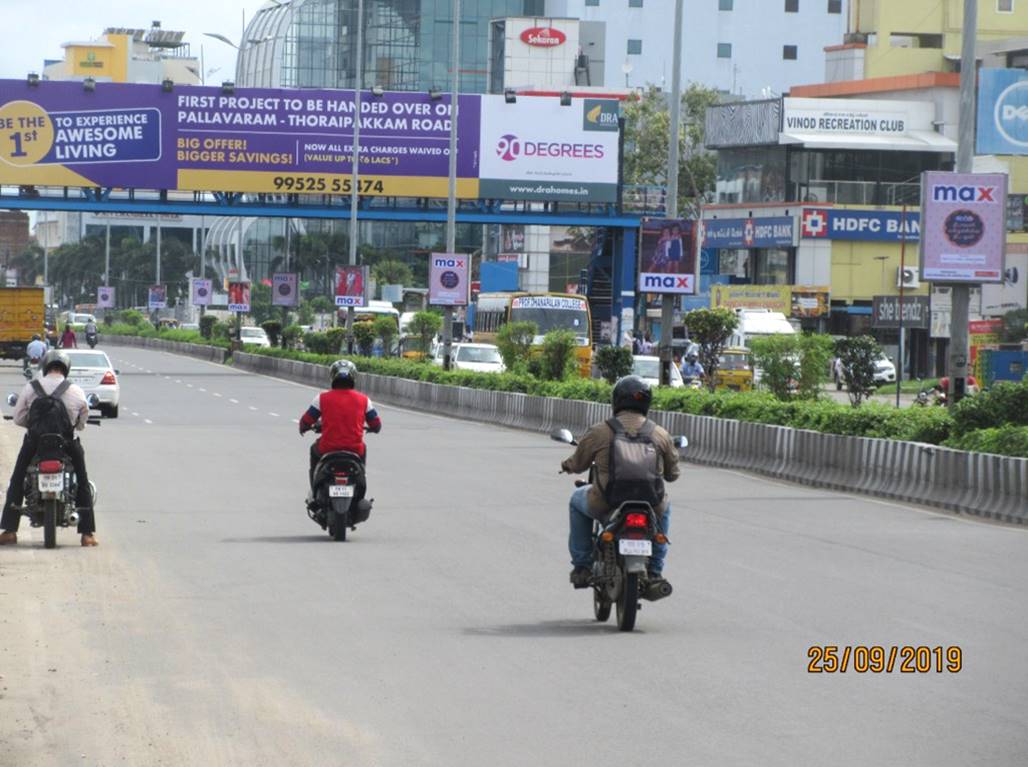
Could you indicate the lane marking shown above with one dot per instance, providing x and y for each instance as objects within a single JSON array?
[
  {"x": 147, "y": 420},
  {"x": 177, "y": 381},
  {"x": 233, "y": 401},
  {"x": 202, "y": 389},
  {"x": 216, "y": 394},
  {"x": 189, "y": 386},
  {"x": 136, "y": 414},
  {"x": 252, "y": 407},
  {"x": 273, "y": 415}
]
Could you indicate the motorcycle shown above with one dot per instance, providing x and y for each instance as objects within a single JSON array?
[
  {"x": 622, "y": 547},
  {"x": 930, "y": 396},
  {"x": 337, "y": 501},
  {"x": 91, "y": 340},
  {"x": 50, "y": 483},
  {"x": 692, "y": 382}
]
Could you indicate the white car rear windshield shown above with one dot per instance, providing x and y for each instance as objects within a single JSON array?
[
  {"x": 473, "y": 354},
  {"x": 89, "y": 360}
]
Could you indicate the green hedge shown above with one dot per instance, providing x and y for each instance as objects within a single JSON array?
[
  {"x": 1004, "y": 440},
  {"x": 147, "y": 330}
]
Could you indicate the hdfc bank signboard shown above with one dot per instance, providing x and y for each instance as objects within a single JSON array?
[
  {"x": 543, "y": 37},
  {"x": 963, "y": 231}
]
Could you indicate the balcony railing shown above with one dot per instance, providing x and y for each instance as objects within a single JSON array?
[{"x": 858, "y": 192}]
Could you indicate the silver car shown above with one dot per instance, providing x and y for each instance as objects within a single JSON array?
[{"x": 93, "y": 371}]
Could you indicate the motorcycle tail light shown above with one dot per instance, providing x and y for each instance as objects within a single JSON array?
[
  {"x": 108, "y": 379},
  {"x": 50, "y": 467},
  {"x": 636, "y": 520},
  {"x": 342, "y": 479}
]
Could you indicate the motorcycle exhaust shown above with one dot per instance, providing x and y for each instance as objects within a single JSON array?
[
  {"x": 73, "y": 518},
  {"x": 657, "y": 591}
]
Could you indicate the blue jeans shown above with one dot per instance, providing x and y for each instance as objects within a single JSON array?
[{"x": 580, "y": 537}]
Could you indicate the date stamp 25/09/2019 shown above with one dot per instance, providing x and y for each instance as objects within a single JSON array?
[{"x": 879, "y": 659}]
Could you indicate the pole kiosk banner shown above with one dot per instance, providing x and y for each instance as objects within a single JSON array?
[
  {"x": 157, "y": 297},
  {"x": 351, "y": 286},
  {"x": 239, "y": 297},
  {"x": 283, "y": 289},
  {"x": 448, "y": 279},
  {"x": 105, "y": 298},
  {"x": 667, "y": 257},
  {"x": 963, "y": 227},
  {"x": 201, "y": 291}
]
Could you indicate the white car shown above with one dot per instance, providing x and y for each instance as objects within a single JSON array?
[
  {"x": 254, "y": 336},
  {"x": 648, "y": 369},
  {"x": 481, "y": 358},
  {"x": 885, "y": 371},
  {"x": 93, "y": 371}
]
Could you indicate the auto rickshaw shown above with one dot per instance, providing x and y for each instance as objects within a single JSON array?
[{"x": 735, "y": 370}]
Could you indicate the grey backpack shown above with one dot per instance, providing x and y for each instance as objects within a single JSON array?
[{"x": 633, "y": 466}]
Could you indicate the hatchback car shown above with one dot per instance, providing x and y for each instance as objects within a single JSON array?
[
  {"x": 93, "y": 371},
  {"x": 254, "y": 336},
  {"x": 482, "y": 358}
]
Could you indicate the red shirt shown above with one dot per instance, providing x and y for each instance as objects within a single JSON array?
[{"x": 343, "y": 414}]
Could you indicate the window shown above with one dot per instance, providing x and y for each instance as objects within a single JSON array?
[
  {"x": 789, "y": 52},
  {"x": 725, "y": 5},
  {"x": 635, "y": 3},
  {"x": 724, "y": 50},
  {"x": 635, "y": 47},
  {"x": 592, "y": 2},
  {"x": 835, "y": 6},
  {"x": 792, "y": 6},
  {"x": 1005, "y": 6}
]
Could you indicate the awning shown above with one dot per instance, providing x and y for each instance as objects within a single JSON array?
[{"x": 911, "y": 141}]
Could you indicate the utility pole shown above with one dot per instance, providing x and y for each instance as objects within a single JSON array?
[
  {"x": 667, "y": 306},
  {"x": 451, "y": 201},
  {"x": 358, "y": 82},
  {"x": 903, "y": 264},
  {"x": 107, "y": 257},
  {"x": 961, "y": 293}
]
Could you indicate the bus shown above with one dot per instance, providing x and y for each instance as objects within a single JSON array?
[{"x": 549, "y": 311}]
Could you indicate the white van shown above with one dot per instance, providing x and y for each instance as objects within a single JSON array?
[{"x": 758, "y": 323}]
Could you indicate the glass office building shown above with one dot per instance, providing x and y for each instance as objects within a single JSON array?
[{"x": 311, "y": 43}]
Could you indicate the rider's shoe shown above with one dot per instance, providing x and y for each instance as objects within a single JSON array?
[
  {"x": 88, "y": 539},
  {"x": 581, "y": 576},
  {"x": 8, "y": 538}
]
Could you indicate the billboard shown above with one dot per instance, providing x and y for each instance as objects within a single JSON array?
[
  {"x": 448, "y": 279},
  {"x": 1002, "y": 111},
  {"x": 200, "y": 292},
  {"x": 239, "y": 297},
  {"x": 281, "y": 141},
  {"x": 351, "y": 286},
  {"x": 802, "y": 301},
  {"x": 667, "y": 257},
  {"x": 157, "y": 297},
  {"x": 741, "y": 233},
  {"x": 283, "y": 289},
  {"x": 105, "y": 297},
  {"x": 885, "y": 312},
  {"x": 963, "y": 219},
  {"x": 860, "y": 225}
]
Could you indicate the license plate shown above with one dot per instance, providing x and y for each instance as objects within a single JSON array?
[
  {"x": 340, "y": 491},
  {"x": 51, "y": 483},
  {"x": 633, "y": 548}
]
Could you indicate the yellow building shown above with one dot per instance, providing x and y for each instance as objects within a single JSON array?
[{"x": 129, "y": 56}]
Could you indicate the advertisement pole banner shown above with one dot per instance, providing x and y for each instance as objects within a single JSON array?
[
  {"x": 283, "y": 289},
  {"x": 105, "y": 298},
  {"x": 351, "y": 286},
  {"x": 1002, "y": 111},
  {"x": 239, "y": 297},
  {"x": 448, "y": 279},
  {"x": 963, "y": 232},
  {"x": 667, "y": 257},
  {"x": 200, "y": 292},
  {"x": 157, "y": 297}
]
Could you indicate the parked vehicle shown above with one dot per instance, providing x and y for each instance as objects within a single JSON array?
[
  {"x": 623, "y": 547},
  {"x": 337, "y": 501},
  {"x": 648, "y": 368},
  {"x": 255, "y": 336},
  {"x": 93, "y": 371},
  {"x": 885, "y": 371},
  {"x": 22, "y": 315},
  {"x": 481, "y": 358},
  {"x": 50, "y": 484},
  {"x": 735, "y": 370}
]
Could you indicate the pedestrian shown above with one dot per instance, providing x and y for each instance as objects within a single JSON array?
[{"x": 68, "y": 340}]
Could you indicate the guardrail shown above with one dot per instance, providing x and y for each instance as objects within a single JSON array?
[{"x": 990, "y": 486}]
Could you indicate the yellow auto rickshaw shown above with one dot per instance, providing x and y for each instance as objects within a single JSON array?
[{"x": 735, "y": 370}]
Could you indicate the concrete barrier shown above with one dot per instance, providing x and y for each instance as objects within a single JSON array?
[{"x": 208, "y": 353}]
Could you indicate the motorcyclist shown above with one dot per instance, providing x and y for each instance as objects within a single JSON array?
[
  {"x": 344, "y": 412},
  {"x": 35, "y": 350},
  {"x": 55, "y": 368},
  {"x": 631, "y": 403},
  {"x": 692, "y": 368},
  {"x": 91, "y": 331}
]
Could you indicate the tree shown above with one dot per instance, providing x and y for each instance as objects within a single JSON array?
[
  {"x": 425, "y": 325},
  {"x": 514, "y": 341},
  {"x": 364, "y": 337},
  {"x": 392, "y": 272},
  {"x": 557, "y": 361},
  {"x": 614, "y": 362},
  {"x": 274, "y": 330},
  {"x": 385, "y": 327},
  {"x": 710, "y": 329},
  {"x": 793, "y": 365},
  {"x": 858, "y": 356},
  {"x": 1015, "y": 326},
  {"x": 647, "y": 136}
]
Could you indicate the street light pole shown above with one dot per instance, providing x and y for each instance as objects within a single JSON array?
[
  {"x": 358, "y": 82},
  {"x": 667, "y": 306},
  {"x": 451, "y": 201}
]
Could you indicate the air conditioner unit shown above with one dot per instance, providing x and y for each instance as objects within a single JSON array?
[{"x": 907, "y": 277}]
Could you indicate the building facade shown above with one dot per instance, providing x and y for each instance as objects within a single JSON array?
[{"x": 744, "y": 47}]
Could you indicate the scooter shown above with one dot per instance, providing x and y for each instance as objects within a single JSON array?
[
  {"x": 91, "y": 340},
  {"x": 337, "y": 500},
  {"x": 622, "y": 547}
]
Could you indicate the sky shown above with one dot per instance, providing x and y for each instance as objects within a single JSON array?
[{"x": 35, "y": 29}]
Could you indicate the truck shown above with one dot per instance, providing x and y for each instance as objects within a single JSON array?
[{"x": 22, "y": 315}]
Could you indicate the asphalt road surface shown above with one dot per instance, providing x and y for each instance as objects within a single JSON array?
[{"x": 217, "y": 625}]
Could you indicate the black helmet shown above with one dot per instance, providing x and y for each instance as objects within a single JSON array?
[
  {"x": 56, "y": 358},
  {"x": 631, "y": 393},
  {"x": 343, "y": 374}
]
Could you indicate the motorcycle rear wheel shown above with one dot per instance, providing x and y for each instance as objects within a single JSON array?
[
  {"x": 601, "y": 606},
  {"x": 49, "y": 524},
  {"x": 337, "y": 527},
  {"x": 628, "y": 602}
]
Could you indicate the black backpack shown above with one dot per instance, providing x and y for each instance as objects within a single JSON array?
[
  {"x": 633, "y": 467},
  {"x": 47, "y": 413}
]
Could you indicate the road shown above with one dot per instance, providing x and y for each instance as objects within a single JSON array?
[{"x": 216, "y": 625}]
